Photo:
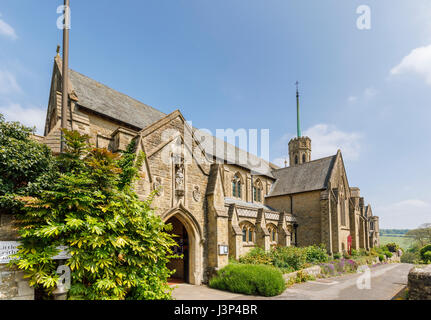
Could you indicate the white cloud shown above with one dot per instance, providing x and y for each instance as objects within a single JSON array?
[
  {"x": 352, "y": 99},
  {"x": 31, "y": 117},
  {"x": 412, "y": 203},
  {"x": 8, "y": 83},
  {"x": 416, "y": 62},
  {"x": 7, "y": 30},
  {"x": 407, "y": 214},
  {"x": 27, "y": 114},
  {"x": 327, "y": 139},
  {"x": 370, "y": 93}
]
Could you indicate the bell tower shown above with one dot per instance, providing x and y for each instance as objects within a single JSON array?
[
  {"x": 299, "y": 147},
  {"x": 299, "y": 150}
]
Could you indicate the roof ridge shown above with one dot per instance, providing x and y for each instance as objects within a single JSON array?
[
  {"x": 143, "y": 107},
  {"x": 324, "y": 158},
  {"x": 226, "y": 143}
]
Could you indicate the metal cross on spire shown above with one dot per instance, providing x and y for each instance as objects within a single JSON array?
[{"x": 298, "y": 124}]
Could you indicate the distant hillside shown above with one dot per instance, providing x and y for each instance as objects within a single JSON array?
[
  {"x": 393, "y": 232},
  {"x": 396, "y": 235}
]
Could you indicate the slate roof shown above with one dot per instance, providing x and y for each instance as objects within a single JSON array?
[
  {"x": 310, "y": 176},
  {"x": 216, "y": 147},
  {"x": 253, "y": 205},
  {"x": 103, "y": 100},
  {"x": 249, "y": 209},
  {"x": 109, "y": 102}
]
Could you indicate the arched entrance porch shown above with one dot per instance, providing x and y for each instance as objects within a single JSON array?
[
  {"x": 189, "y": 242},
  {"x": 181, "y": 265}
]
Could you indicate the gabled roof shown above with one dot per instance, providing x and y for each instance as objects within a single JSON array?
[
  {"x": 103, "y": 100},
  {"x": 310, "y": 176},
  {"x": 99, "y": 98}
]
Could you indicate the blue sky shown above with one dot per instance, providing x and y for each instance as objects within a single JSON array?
[{"x": 233, "y": 64}]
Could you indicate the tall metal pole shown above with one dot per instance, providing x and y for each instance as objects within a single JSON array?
[
  {"x": 65, "y": 89},
  {"x": 298, "y": 124}
]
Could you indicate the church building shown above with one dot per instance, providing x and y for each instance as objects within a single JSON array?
[{"x": 219, "y": 205}]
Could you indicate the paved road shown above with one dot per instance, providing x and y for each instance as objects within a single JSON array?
[
  {"x": 380, "y": 283},
  {"x": 384, "y": 283}
]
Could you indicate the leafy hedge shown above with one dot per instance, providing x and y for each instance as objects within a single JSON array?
[
  {"x": 251, "y": 279},
  {"x": 425, "y": 253},
  {"x": 410, "y": 257},
  {"x": 256, "y": 256},
  {"x": 381, "y": 252},
  {"x": 288, "y": 259}
]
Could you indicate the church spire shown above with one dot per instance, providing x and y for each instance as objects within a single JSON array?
[
  {"x": 298, "y": 123},
  {"x": 299, "y": 147}
]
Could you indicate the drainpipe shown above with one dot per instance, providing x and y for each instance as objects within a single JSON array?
[
  {"x": 291, "y": 204},
  {"x": 295, "y": 226}
]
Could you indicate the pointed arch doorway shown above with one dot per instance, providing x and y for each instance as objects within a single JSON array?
[
  {"x": 189, "y": 243},
  {"x": 181, "y": 266}
]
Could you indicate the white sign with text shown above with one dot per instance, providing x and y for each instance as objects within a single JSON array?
[{"x": 9, "y": 248}]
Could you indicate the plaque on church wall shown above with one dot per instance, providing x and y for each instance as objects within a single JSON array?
[
  {"x": 223, "y": 250},
  {"x": 9, "y": 248}
]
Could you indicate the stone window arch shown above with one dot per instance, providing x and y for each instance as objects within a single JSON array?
[
  {"x": 304, "y": 158},
  {"x": 237, "y": 186},
  {"x": 296, "y": 159},
  {"x": 273, "y": 233},
  {"x": 248, "y": 232},
  {"x": 257, "y": 190}
]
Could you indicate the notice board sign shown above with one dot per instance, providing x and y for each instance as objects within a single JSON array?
[{"x": 9, "y": 248}]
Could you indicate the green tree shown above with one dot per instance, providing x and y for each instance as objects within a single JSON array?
[
  {"x": 422, "y": 235},
  {"x": 119, "y": 248},
  {"x": 26, "y": 166},
  {"x": 425, "y": 253}
]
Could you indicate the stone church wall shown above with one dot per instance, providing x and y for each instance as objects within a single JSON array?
[
  {"x": 306, "y": 207},
  {"x": 12, "y": 284},
  {"x": 280, "y": 203}
]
